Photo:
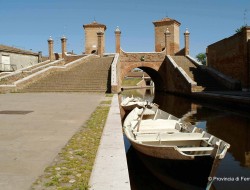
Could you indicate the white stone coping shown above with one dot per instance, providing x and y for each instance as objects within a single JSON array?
[
  {"x": 114, "y": 70},
  {"x": 187, "y": 77},
  {"x": 213, "y": 71},
  {"x": 189, "y": 80},
  {"x": 110, "y": 169},
  {"x": 197, "y": 63},
  {"x": 172, "y": 61},
  {"x": 221, "y": 75}
]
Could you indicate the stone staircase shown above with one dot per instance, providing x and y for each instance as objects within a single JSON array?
[
  {"x": 92, "y": 75},
  {"x": 205, "y": 82}
]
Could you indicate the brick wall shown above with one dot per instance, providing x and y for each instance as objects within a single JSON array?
[
  {"x": 135, "y": 57},
  {"x": 175, "y": 81},
  {"x": 230, "y": 56}
]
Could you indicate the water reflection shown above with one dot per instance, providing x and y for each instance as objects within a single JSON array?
[{"x": 230, "y": 125}]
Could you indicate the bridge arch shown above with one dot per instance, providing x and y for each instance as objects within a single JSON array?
[
  {"x": 152, "y": 72},
  {"x": 150, "y": 62}
]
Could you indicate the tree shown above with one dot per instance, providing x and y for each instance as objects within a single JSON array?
[
  {"x": 239, "y": 29},
  {"x": 201, "y": 57}
]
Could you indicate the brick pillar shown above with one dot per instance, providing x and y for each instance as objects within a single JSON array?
[
  {"x": 167, "y": 42},
  {"x": 100, "y": 47},
  {"x": 51, "y": 48},
  {"x": 63, "y": 40},
  {"x": 117, "y": 40},
  {"x": 186, "y": 35}
]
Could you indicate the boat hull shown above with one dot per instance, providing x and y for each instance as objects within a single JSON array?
[
  {"x": 131, "y": 107},
  {"x": 180, "y": 174},
  {"x": 161, "y": 152}
]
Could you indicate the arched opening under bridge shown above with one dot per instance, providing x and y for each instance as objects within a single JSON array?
[{"x": 152, "y": 73}]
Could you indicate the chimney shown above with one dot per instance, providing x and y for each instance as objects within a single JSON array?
[
  {"x": 63, "y": 40},
  {"x": 117, "y": 40},
  {"x": 99, "y": 43},
  {"x": 186, "y": 36},
  {"x": 51, "y": 48}
]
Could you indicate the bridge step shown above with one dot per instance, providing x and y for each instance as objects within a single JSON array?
[{"x": 89, "y": 76}]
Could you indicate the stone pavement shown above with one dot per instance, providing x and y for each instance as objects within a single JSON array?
[
  {"x": 111, "y": 155},
  {"x": 34, "y": 128}
]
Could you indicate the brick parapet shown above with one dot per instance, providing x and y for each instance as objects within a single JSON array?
[
  {"x": 142, "y": 56},
  {"x": 180, "y": 83}
]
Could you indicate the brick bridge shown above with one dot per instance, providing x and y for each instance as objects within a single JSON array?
[
  {"x": 175, "y": 73},
  {"x": 151, "y": 63}
]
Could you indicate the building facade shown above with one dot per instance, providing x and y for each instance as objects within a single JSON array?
[{"x": 12, "y": 58}]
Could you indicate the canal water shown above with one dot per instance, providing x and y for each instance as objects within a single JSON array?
[{"x": 233, "y": 126}]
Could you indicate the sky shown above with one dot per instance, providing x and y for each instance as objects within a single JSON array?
[{"x": 27, "y": 24}]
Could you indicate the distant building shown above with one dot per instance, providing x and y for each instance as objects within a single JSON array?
[{"x": 12, "y": 58}]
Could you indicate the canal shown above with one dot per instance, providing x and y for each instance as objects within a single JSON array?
[{"x": 233, "y": 126}]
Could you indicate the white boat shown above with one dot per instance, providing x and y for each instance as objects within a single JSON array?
[
  {"x": 162, "y": 136},
  {"x": 129, "y": 103}
]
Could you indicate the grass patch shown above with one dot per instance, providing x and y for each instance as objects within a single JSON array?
[
  {"x": 73, "y": 165},
  {"x": 106, "y": 102},
  {"x": 109, "y": 95},
  {"x": 130, "y": 81}
]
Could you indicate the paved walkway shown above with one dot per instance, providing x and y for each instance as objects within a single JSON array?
[
  {"x": 111, "y": 155},
  {"x": 34, "y": 128}
]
